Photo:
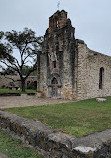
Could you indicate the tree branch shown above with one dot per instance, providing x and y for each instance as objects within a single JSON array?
[
  {"x": 12, "y": 79},
  {"x": 30, "y": 71},
  {"x": 24, "y": 50},
  {"x": 17, "y": 70},
  {"x": 25, "y": 59},
  {"x": 17, "y": 62}
]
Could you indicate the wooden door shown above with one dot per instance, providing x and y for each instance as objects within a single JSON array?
[{"x": 54, "y": 88}]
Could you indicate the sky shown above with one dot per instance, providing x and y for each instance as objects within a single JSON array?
[{"x": 91, "y": 19}]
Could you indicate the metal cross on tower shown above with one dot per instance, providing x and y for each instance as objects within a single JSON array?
[{"x": 58, "y": 5}]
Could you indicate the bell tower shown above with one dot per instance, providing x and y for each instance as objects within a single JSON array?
[
  {"x": 57, "y": 21},
  {"x": 58, "y": 51}
]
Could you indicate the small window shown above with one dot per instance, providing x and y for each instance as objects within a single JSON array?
[
  {"x": 57, "y": 24},
  {"x": 54, "y": 64},
  {"x": 101, "y": 77}
]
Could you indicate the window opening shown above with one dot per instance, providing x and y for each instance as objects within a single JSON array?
[
  {"x": 57, "y": 24},
  {"x": 54, "y": 64},
  {"x": 101, "y": 77}
]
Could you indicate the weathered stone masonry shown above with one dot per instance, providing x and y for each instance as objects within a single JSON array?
[
  {"x": 54, "y": 144},
  {"x": 67, "y": 67},
  {"x": 89, "y": 65}
]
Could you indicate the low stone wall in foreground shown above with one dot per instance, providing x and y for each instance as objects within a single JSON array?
[{"x": 53, "y": 144}]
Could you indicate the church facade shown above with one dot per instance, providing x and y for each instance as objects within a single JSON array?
[{"x": 67, "y": 68}]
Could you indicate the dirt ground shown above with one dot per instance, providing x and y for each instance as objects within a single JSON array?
[{"x": 24, "y": 100}]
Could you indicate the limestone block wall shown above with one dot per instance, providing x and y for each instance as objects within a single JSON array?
[
  {"x": 43, "y": 74},
  {"x": 52, "y": 144},
  {"x": 5, "y": 80},
  {"x": 66, "y": 89},
  {"x": 59, "y": 45},
  {"x": 77, "y": 67},
  {"x": 88, "y": 73},
  {"x": 95, "y": 63},
  {"x": 57, "y": 20},
  {"x": 82, "y": 71}
]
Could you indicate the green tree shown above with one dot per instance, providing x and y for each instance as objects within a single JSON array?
[
  {"x": 5, "y": 50},
  {"x": 8, "y": 71},
  {"x": 28, "y": 68},
  {"x": 24, "y": 47}
]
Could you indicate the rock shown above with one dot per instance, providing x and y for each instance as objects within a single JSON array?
[
  {"x": 84, "y": 149},
  {"x": 101, "y": 99}
]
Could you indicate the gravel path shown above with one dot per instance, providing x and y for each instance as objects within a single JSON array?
[{"x": 24, "y": 100}]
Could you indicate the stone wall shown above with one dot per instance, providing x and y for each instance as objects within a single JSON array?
[
  {"x": 52, "y": 144},
  {"x": 43, "y": 74},
  {"x": 88, "y": 72},
  {"x": 5, "y": 80},
  {"x": 58, "y": 47},
  {"x": 77, "y": 69},
  {"x": 57, "y": 22}
]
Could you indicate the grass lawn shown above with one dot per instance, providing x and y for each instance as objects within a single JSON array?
[
  {"x": 14, "y": 148},
  {"x": 79, "y": 118},
  {"x": 15, "y": 91}
]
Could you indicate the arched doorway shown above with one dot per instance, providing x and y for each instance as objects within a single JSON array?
[
  {"x": 35, "y": 84},
  {"x": 28, "y": 84},
  {"x": 54, "y": 84}
]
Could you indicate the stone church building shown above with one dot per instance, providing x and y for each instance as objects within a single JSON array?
[{"x": 67, "y": 68}]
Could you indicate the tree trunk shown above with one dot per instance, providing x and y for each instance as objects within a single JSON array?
[{"x": 23, "y": 85}]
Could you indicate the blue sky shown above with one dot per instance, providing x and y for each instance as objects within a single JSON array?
[{"x": 91, "y": 19}]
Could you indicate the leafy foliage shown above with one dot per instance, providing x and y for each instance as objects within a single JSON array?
[
  {"x": 27, "y": 68},
  {"x": 5, "y": 50},
  {"x": 8, "y": 71},
  {"x": 26, "y": 46}
]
